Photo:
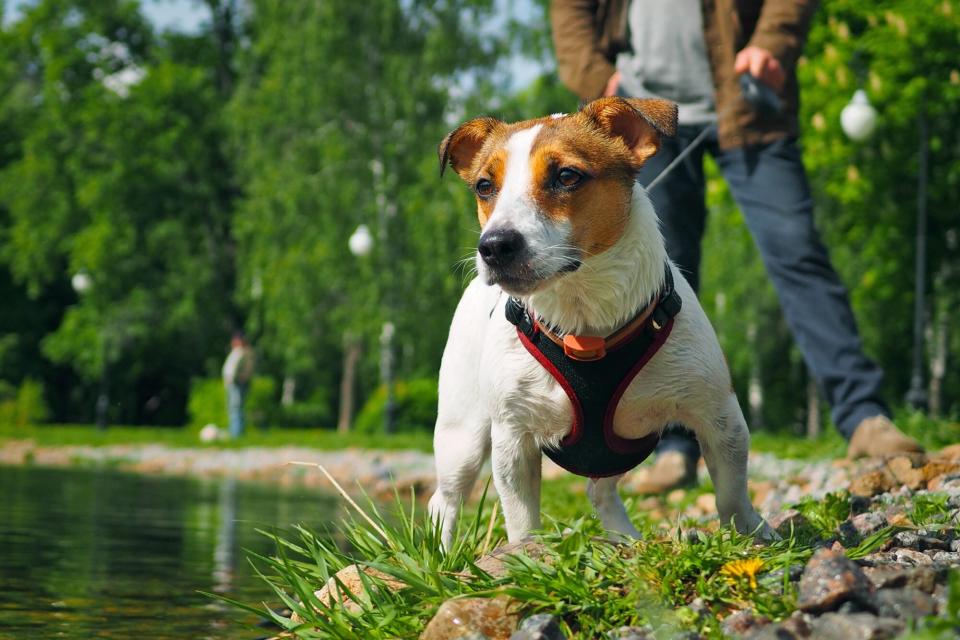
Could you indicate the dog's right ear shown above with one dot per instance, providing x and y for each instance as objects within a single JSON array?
[{"x": 461, "y": 145}]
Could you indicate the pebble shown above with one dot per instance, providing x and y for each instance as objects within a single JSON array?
[
  {"x": 855, "y": 626},
  {"x": 742, "y": 622},
  {"x": 493, "y": 618},
  {"x": 542, "y": 626},
  {"x": 908, "y": 603},
  {"x": 830, "y": 579}
]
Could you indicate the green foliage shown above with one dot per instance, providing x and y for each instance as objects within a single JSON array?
[
  {"x": 415, "y": 407},
  {"x": 931, "y": 509},
  {"x": 208, "y": 402},
  {"x": 593, "y": 586},
  {"x": 23, "y": 405},
  {"x": 826, "y": 514}
]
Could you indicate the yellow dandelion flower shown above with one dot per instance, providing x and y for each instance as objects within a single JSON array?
[{"x": 746, "y": 568}]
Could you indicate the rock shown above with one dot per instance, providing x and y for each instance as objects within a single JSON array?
[
  {"x": 631, "y": 633},
  {"x": 741, "y": 622},
  {"x": 331, "y": 593},
  {"x": 949, "y": 453},
  {"x": 830, "y": 579},
  {"x": 790, "y": 520},
  {"x": 859, "y": 504},
  {"x": 860, "y": 526},
  {"x": 907, "y": 472},
  {"x": 796, "y": 627},
  {"x": 855, "y": 626},
  {"x": 906, "y": 540},
  {"x": 889, "y": 577},
  {"x": 950, "y": 558},
  {"x": 872, "y": 483},
  {"x": 907, "y": 603},
  {"x": 909, "y": 557},
  {"x": 493, "y": 618},
  {"x": 494, "y": 562},
  {"x": 949, "y": 484},
  {"x": 707, "y": 503},
  {"x": 542, "y": 626}
]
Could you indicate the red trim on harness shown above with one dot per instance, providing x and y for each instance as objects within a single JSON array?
[
  {"x": 577, "y": 428},
  {"x": 621, "y": 445}
]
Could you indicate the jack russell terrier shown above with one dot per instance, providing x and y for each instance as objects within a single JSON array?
[{"x": 579, "y": 339}]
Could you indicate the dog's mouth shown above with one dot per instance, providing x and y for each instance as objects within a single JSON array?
[{"x": 527, "y": 277}]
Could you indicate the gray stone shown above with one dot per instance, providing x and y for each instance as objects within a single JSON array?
[
  {"x": 951, "y": 558},
  {"x": 830, "y": 579},
  {"x": 796, "y": 627},
  {"x": 891, "y": 577},
  {"x": 908, "y": 603},
  {"x": 860, "y": 526},
  {"x": 859, "y": 504},
  {"x": 742, "y": 622},
  {"x": 631, "y": 633},
  {"x": 906, "y": 540},
  {"x": 855, "y": 626},
  {"x": 542, "y": 626},
  {"x": 473, "y": 635}
]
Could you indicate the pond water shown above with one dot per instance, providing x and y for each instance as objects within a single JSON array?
[{"x": 103, "y": 554}]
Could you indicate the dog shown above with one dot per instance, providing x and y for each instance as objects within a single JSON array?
[{"x": 570, "y": 253}]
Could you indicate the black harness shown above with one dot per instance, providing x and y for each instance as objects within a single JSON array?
[{"x": 596, "y": 384}]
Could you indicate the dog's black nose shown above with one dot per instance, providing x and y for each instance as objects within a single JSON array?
[{"x": 500, "y": 247}]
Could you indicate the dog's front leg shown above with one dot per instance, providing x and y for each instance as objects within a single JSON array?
[
  {"x": 726, "y": 446},
  {"x": 609, "y": 507},
  {"x": 516, "y": 475}
]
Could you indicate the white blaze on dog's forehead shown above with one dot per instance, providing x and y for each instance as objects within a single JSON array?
[{"x": 516, "y": 178}]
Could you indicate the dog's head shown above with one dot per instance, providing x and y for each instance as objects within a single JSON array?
[{"x": 554, "y": 191}]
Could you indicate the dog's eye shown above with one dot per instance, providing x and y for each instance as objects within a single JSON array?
[
  {"x": 569, "y": 178},
  {"x": 484, "y": 188}
]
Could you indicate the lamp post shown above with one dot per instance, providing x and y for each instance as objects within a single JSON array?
[
  {"x": 361, "y": 244},
  {"x": 858, "y": 120},
  {"x": 917, "y": 395},
  {"x": 83, "y": 283}
]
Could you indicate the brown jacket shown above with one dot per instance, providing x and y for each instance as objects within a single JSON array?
[{"x": 588, "y": 35}]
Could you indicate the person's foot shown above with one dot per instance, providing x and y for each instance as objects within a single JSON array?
[
  {"x": 877, "y": 436},
  {"x": 671, "y": 469}
]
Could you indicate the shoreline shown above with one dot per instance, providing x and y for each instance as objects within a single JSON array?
[{"x": 376, "y": 472}]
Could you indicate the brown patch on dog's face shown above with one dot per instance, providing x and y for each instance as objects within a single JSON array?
[{"x": 567, "y": 185}]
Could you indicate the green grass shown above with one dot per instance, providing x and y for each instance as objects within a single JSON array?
[
  {"x": 593, "y": 586},
  {"x": 326, "y": 439}
]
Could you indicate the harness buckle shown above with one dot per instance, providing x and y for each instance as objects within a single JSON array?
[{"x": 584, "y": 348}]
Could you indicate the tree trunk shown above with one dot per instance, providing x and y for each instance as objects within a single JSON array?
[
  {"x": 813, "y": 408},
  {"x": 351, "y": 355}
]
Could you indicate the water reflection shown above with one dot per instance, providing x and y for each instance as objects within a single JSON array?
[{"x": 110, "y": 555}]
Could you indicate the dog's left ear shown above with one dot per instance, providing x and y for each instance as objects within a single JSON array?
[
  {"x": 639, "y": 122},
  {"x": 461, "y": 146}
]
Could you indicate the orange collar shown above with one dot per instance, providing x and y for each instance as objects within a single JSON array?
[{"x": 586, "y": 348}]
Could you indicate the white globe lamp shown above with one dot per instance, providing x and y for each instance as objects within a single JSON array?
[
  {"x": 361, "y": 241},
  {"x": 81, "y": 282},
  {"x": 858, "y": 119}
]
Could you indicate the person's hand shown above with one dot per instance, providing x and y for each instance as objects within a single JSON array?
[
  {"x": 612, "y": 85},
  {"x": 762, "y": 65}
]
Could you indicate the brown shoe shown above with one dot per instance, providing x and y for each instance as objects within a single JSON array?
[
  {"x": 671, "y": 469},
  {"x": 877, "y": 436}
]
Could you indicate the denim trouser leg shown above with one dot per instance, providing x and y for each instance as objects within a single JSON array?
[
  {"x": 236, "y": 394},
  {"x": 770, "y": 185},
  {"x": 679, "y": 201}
]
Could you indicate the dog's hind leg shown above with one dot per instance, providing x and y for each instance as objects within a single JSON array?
[
  {"x": 460, "y": 449},
  {"x": 726, "y": 446},
  {"x": 609, "y": 507}
]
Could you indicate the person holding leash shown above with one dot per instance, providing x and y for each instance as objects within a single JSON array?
[{"x": 697, "y": 53}]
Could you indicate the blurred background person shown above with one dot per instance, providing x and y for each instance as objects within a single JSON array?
[{"x": 237, "y": 373}]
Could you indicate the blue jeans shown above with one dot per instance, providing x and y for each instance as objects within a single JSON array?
[
  {"x": 236, "y": 394},
  {"x": 770, "y": 185}
]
